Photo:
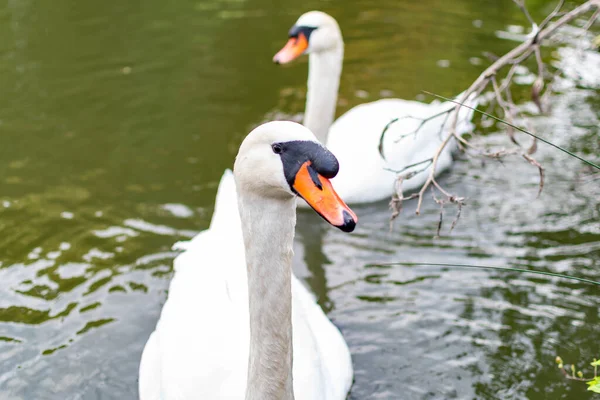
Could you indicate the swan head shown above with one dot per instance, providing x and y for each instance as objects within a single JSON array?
[
  {"x": 314, "y": 32},
  {"x": 283, "y": 159}
]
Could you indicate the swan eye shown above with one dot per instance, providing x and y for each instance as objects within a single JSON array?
[{"x": 277, "y": 149}]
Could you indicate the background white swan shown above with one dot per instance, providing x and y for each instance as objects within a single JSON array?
[
  {"x": 200, "y": 348},
  {"x": 354, "y": 137}
]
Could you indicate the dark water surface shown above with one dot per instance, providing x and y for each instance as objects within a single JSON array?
[{"x": 118, "y": 118}]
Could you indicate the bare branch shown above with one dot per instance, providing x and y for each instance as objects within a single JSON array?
[
  {"x": 533, "y": 148},
  {"x": 441, "y": 220},
  {"x": 508, "y": 80},
  {"x": 437, "y": 185},
  {"x": 459, "y": 201},
  {"x": 521, "y": 5},
  {"x": 428, "y": 161},
  {"x": 503, "y": 98},
  {"x": 571, "y": 377},
  {"x": 533, "y": 162},
  {"x": 591, "y": 20},
  {"x": 506, "y": 109},
  {"x": 459, "y": 205},
  {"x": 591, "y": 164},
  {"x": 552, "y": 15},
  {"x": 421, "y": 124},
  {"x": 397, "y": 200},
  {"x": 538, "y": 84},
  {"x": 511, "y": 56}
]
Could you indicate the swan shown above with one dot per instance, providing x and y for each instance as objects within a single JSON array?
[
  {"x": 227, "y": 332},
  {"x": 354, "y": 137}
]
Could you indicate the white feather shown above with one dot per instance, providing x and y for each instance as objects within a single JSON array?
[
  {"x": 354, "y": 137},
  {"x": 199, "y": 349}
]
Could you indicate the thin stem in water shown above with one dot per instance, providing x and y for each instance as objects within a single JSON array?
[
  {"x": 511, "y": 269},
  {"x": 517, "y": 128}
]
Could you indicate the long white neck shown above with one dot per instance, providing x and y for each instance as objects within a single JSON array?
[
  {"x": 324, "y": 70},
  {"x": 268, "y": 228}
]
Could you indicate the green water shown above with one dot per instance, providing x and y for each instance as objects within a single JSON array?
[{"x": 118, "y": 118}]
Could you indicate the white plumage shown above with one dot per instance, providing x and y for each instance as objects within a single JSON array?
[
  {"x": 354, "y": 137},
  {"x": 199, "y": 349}
]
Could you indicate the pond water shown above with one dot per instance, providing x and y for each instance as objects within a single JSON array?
[{"x": 118, "y": 118}]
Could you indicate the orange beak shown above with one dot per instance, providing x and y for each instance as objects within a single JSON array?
[
  {"x": 292, "y": 49},
  {"x": 318, "y": 192}
]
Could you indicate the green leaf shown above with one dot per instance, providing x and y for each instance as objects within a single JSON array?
[
  {"x": 594, "y": 385},
  {"x": 595, "y": 389},
  {"x": 595, "y": 363}
]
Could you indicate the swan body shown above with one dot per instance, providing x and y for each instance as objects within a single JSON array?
[
  {"x": 366, "y": 175},
  {"x": 354, "y": 138},
  {"x": 200, "y": 347}
]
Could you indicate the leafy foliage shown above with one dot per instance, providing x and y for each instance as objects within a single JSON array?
[{"x": 593, "y": 383}]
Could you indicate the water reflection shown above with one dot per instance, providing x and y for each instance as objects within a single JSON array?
[{"x": 310, "y": 234}]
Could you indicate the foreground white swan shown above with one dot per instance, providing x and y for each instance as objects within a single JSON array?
[
  {"x": 354, "y": 137},
  {"x": 226, "y": 333}
]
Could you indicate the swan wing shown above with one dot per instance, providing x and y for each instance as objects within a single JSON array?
[
  {"x": 225, "y": 214},
  {"x": 418, "y": 131},
  {"x": 200, "y": 346},
  {"x": 322, "y": 361}
]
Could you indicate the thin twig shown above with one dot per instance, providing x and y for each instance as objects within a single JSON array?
[
  {"x": 397, "y": 200},
  {"x": 591, "y": 21},
  {"x": 393, "y": 121},
  {"x": 429, "y": 161},
  {"x": 521, "y": 5},
  {"x": 553, "y": 14},
  {"x": 441, "y": 203},
  {"x": 459, "y": 205},
  {"x": 508, "y": 269},
  {"x": 513, "y": 58},
  {"x": 437, "y": 185},
  {"x": 492, "y": 70},
  {"x": 538, "y": 84},
  {"x": 507, "y": 81},
  {"x": 532, "y": 161},
  {"x": 573, "y": 378},
  {"x": 398, "y": 196},
  {"x": 505, "y": 109},
  {"x": 519, "y": 129}
]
